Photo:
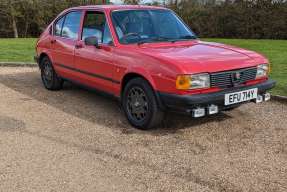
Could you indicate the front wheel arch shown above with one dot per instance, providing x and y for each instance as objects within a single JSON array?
[{"x": 129, "y": 77}]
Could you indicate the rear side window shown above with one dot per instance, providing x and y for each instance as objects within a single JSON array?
[{"x": 69, "y": 25}]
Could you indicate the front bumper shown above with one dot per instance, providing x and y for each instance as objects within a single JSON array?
[{"x": 185, "y": 103}]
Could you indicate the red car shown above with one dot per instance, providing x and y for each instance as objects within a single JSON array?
[{"x": 151, "y": 61}]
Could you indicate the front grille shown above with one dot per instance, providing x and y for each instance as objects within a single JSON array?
[{"x": 227, "y": 79}]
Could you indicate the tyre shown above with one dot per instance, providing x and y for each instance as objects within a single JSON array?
[
  {"x": 49, "y": 77},
  {"x": 140, "y": 105}
]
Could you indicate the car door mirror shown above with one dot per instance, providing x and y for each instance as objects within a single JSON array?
[{"x": 92, "y": 41}]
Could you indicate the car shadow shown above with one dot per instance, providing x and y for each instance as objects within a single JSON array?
[{"x": 94, "y": 106}]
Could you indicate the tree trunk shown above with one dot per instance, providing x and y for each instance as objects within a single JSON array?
[
  {"x": 26, "y": 28},
  {"x": 14, "y": 25}
]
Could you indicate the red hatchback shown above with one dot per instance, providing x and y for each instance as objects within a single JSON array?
[{"x": 151, "y": 61}]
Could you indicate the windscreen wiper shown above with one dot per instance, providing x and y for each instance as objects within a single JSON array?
[
  {"x": 155, "y": 39},
  {"x": 185, "y": 37}
]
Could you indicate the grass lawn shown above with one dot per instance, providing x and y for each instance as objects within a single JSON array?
[
  {"x": 21, "y": 50},
  {"x": 276, "y": 50}
]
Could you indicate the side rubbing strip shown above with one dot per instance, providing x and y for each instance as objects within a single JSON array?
[{"x": 88, "y": 73}]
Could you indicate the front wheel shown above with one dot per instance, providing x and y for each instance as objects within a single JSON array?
[
  {"x": 140, "y": 105},
  {"x": 49, "y": 77}
]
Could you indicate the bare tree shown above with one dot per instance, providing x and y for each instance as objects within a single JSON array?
[{"x": 9, "y": 9}]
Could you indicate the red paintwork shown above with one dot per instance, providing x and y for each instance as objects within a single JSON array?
[{"x": 159, "y": 63}]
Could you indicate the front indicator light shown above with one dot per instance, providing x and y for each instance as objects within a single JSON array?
[{"x": 183, "y": 82}]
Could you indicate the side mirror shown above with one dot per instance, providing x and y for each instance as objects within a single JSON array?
[{"x": 92, "y": 41}]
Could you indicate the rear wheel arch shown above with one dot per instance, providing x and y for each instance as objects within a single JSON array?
[{"x": 41, "y": 57}]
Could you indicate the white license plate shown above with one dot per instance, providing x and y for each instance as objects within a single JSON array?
[{"x": 240, "y": 96}]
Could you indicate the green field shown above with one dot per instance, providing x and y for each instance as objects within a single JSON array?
[
  {"x": 274, "y": 50},
  {"x": 23, "y": 50}
]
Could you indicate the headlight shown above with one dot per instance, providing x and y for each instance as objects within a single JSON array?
[
  {"x": 262, "y": 70},
  {"x": 197, "y": 81}
]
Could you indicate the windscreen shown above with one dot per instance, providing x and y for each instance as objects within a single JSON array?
[{"x": 141, "y": 26}]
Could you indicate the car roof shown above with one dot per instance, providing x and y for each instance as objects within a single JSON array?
[{"x": 117, "y": 7}]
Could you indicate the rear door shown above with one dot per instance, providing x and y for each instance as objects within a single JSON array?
[
  {"x": 66, "y": 35},
  {"x": 96, "y": 65}
]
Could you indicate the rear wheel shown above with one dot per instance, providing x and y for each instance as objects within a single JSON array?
[
  {"x": 49, "y": 77},
  {"x": 140, "y": 105}
]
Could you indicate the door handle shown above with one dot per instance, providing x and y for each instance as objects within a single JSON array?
[{"x": 78, "y": 46}]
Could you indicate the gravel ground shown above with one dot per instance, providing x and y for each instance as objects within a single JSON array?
[{"x": 75, "y": 140}]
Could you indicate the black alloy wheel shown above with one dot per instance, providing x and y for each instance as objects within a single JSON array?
[
  {"x": 140, "y": 105},
  {"x": 49, "y": 77},
  {"x": 137, "y": 104}
]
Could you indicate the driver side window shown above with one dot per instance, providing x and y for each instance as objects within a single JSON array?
[{"x": 95, "y": 25}]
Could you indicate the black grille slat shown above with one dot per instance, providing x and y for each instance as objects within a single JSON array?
[{"x": 225, "y": 79}]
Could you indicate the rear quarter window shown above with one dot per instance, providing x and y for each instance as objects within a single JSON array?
[{"x": 59, "y": 26}]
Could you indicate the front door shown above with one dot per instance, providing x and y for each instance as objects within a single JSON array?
[{"x": 96, "y": 65}]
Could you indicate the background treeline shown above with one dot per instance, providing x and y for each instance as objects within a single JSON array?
[
  {"x": 27, "y": 18},
  {"x": 208, "y": 18},
  {"x": 258, "y": 19}
]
